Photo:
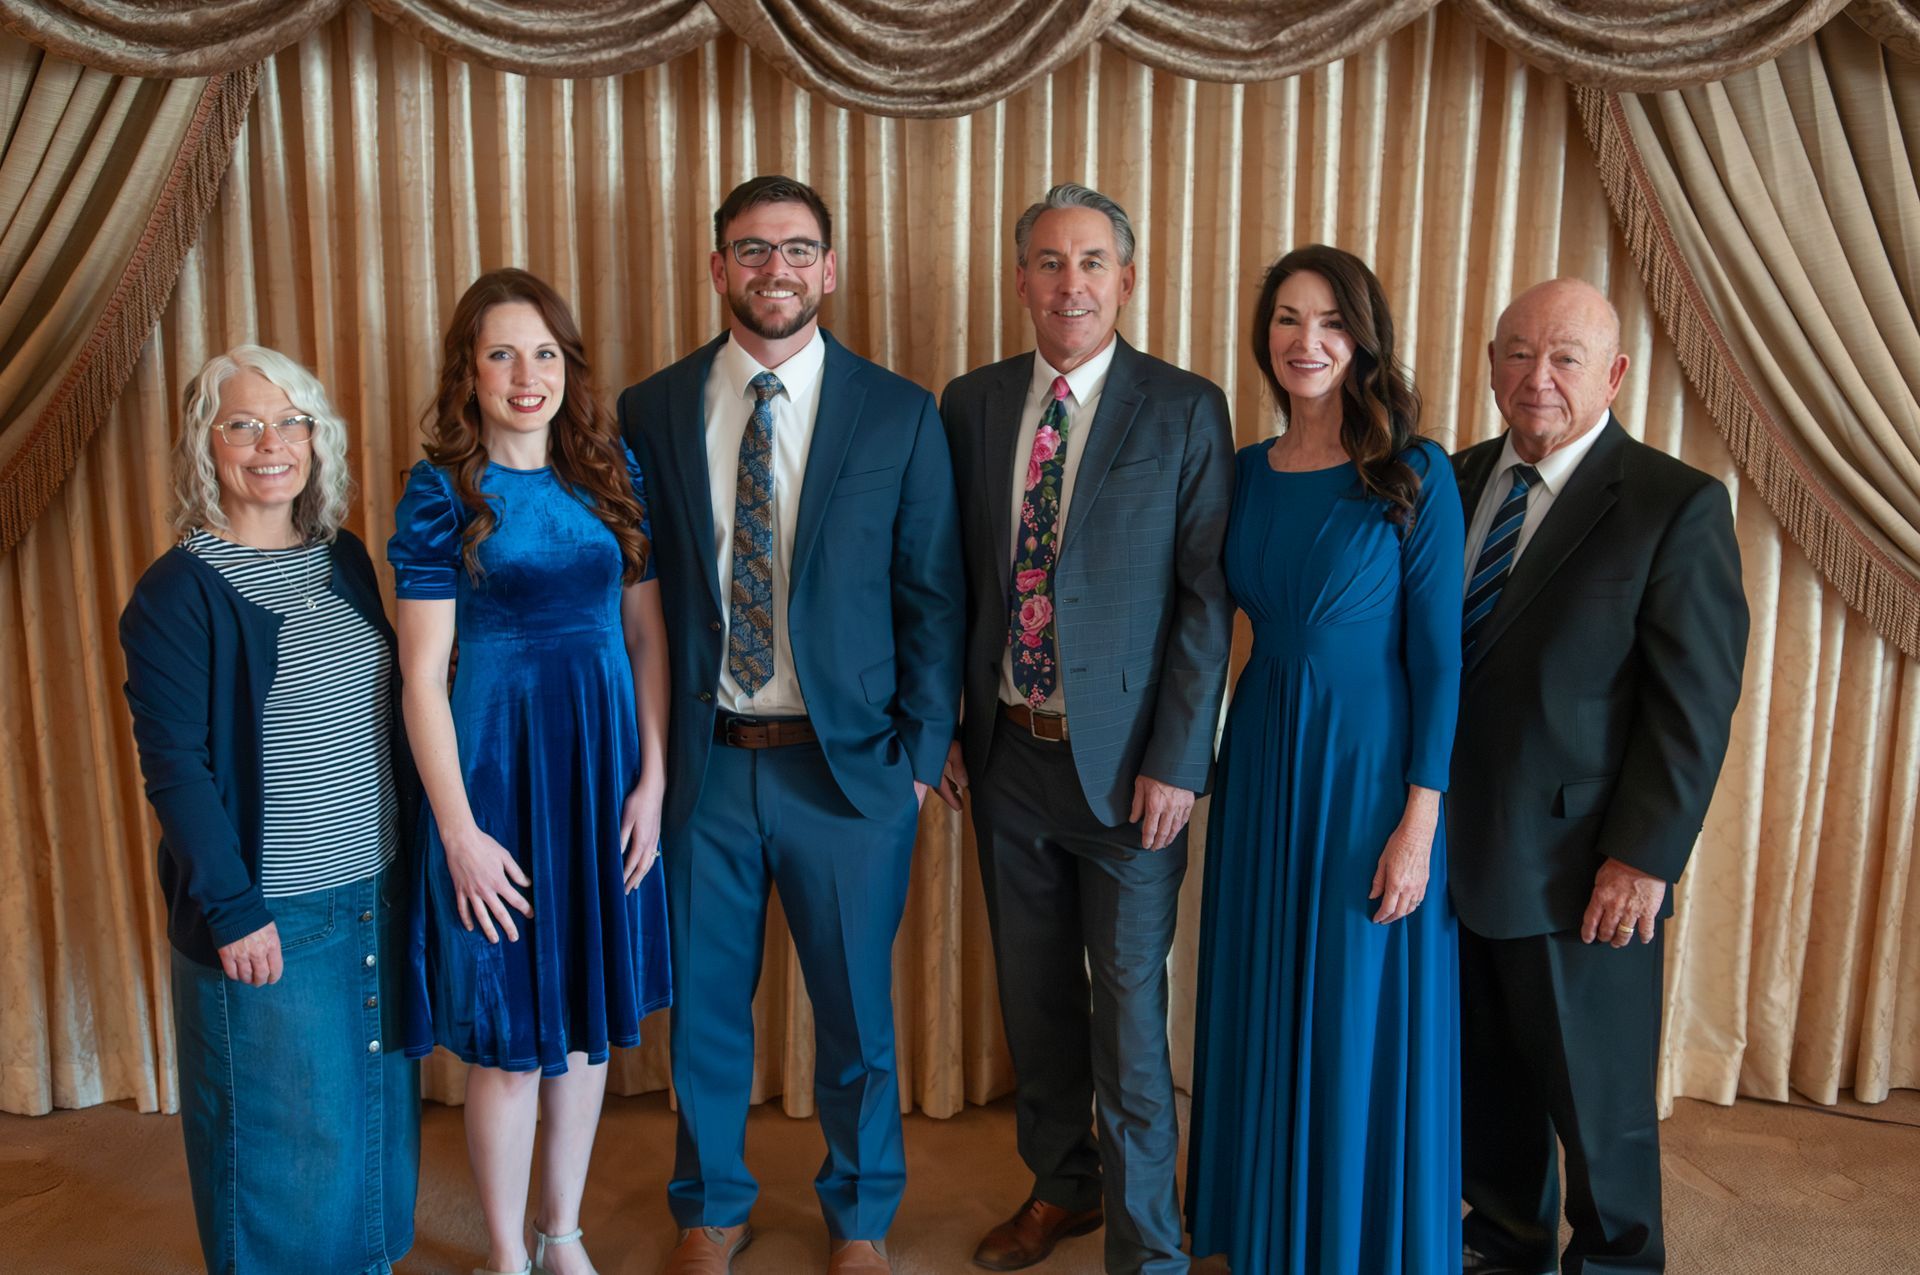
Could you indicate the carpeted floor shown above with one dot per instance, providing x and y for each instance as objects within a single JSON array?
[{"x": 1753, "y": 1188}]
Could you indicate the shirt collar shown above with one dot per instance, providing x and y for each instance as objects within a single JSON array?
[
  {"x": 797, "y": 375},
  {"x": 1557, "y": 469},
  {"x": 1084, "y": 382}
]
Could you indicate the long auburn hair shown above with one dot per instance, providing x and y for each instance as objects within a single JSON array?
[
  {"x": 1380, "y": 408},
  {"x": 584, "y": 446}
]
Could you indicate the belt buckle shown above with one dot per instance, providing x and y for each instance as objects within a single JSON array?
[
  {"x": 735, "y": 732},
  {"x": 1057, "y": 722}
]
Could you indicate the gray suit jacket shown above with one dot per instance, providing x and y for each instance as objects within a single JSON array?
[{"x": 1140, "y": 599}]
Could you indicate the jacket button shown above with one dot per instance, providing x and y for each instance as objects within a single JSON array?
[
  {"x": 366, "y": 916},
  {"x": 713, "y": 625},
  {"x": 369, "y": 961},
  {"x": 373, "y": 1046},
  {"x": 706, "y": 697}
]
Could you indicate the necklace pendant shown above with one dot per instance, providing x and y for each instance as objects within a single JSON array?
[{"x": 313, "y": 604}]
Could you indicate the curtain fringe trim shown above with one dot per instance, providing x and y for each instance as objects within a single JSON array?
[
  {"x": 1871, "y": 582},
  {"x": 92, "y": 385}
]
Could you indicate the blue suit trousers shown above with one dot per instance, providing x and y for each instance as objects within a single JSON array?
[{"x": 775, "y": 818}]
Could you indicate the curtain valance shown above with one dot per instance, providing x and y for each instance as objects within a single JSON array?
[{"x": 943, "y": 58}]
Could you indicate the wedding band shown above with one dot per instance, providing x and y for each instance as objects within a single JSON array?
[{"x": 1625, "y": 927}]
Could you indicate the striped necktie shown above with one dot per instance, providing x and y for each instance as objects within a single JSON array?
[
  {"x": 750, "y": 615},
  {"x": 1495, "y": 563}
]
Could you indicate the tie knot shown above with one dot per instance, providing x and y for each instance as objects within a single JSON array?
[
  {"x": 1060, "y": 390},
  {"x": 765, "y": 386}
]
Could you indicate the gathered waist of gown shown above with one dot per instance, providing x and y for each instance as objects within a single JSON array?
[{"x": 1365, "y": 643}]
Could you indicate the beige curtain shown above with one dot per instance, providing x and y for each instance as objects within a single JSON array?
[
  {"x": 1776, "y": 216},
  {"x": 375, "y": 178},
  {"x": 103, "y": 185}
]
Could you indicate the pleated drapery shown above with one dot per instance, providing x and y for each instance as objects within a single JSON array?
[
  {"x": 1776, "y": 216},
  {"x": 103, "y": 185},
  {"x": 375, "y": 177}
]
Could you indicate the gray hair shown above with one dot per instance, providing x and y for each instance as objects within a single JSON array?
[
  {"x": 321, "y": 505},
  {"x": 1072, "y": 195}
]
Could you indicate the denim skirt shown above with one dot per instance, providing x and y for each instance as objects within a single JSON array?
[{"x": 301, "y": 1114}]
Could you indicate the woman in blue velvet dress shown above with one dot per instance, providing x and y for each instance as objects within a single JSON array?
[
  {"x": 540, "y": 930},
  {"x": 1326, "y": 1126}
]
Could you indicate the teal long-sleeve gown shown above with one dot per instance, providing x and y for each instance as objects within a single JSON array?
[{"x": 1326, "y": 1110}]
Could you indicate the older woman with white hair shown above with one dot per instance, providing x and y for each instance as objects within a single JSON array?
[{"x": 261, "y": 674}]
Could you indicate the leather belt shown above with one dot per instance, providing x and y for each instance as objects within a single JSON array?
[
  {"x": 747, "y": 732},
  {"x": 1047, "y": 726}
]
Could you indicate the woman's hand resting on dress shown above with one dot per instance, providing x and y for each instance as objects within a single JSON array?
[
  {"x": 640, "y": 830},
  {"x": 253, "y": 959},
  {"x": 484, "y": 875},
  {"x": 1400, "y": 880}
]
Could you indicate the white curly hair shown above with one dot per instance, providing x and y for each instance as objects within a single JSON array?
[{"x": 322, "y": 503}]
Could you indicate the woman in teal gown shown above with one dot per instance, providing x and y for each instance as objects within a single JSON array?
[{"x": 1326, "y": 1110}]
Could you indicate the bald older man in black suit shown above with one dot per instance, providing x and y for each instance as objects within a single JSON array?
[{"x": 1605, "y": 630}]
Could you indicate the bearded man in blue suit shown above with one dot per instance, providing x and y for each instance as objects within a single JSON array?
[{"x": 807, "y": 543}]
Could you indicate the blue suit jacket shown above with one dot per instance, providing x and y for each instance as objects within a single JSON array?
[{"x": 874, "y": 608}]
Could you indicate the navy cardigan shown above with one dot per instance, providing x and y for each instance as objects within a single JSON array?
[{"x": 200, "y": 660}]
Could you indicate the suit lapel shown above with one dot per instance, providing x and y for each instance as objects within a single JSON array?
[
  {"x": 687, "y": 404},
  {"x": 1120, "y": 401},
  {"x": 1471, "y": 470},
  {"x": 999, "y": 438},
  {"x": 1589, "y": 494},
  {"x": 841, "y": 398}
]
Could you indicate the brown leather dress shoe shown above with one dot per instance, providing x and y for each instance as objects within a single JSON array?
[
  {"x": 1029, "y": 1235},
  {"x": 707, "y": 1250},
  {"x": 858, "y": 1257}
]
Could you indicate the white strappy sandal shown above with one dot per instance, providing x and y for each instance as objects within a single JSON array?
[
  {"x": 540, "y": 1241},
  {"x": 485, "y": 1270}
]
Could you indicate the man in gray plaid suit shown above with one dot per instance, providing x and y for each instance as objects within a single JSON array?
[{"x": 1094, "y": 482}]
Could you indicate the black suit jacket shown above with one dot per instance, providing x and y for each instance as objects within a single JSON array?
[
  {"x": 1595, "y": 707},
  {"x": 874, "y": 607},
  {"x": 1140, "y": 596}
]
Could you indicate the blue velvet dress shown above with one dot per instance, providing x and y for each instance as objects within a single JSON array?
[
  {"x": 543, "y": 708},
  {"x": 1326, "y": 1108}
]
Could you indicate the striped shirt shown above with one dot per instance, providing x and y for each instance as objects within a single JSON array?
[{"x": 329, "y": 810}]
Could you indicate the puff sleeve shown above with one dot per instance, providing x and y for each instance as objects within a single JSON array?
[{"x": 425, "y": 548}]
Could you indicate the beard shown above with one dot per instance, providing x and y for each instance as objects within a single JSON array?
[{"x": 774, "y": 329}]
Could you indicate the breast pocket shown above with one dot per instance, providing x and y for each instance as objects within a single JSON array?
[
  {"x": 867, "y": 480},
  {"x": 1607, "y": 590},
  {"x": 1134, "y": 471}
]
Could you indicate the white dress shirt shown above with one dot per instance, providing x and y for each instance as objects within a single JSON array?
[
  {"x": 729, "y": 407},
  {"x": 1084, "y": 386},
  {"x": 1555, "y": 472}
]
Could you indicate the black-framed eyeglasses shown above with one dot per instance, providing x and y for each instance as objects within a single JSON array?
[
  {"x": 290, "y": 429},
  {"x": 795, "y": 252}
]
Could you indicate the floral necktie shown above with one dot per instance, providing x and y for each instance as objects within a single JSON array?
[
  {"x": 750, "y": 615},
  {"x": 1031, "y": 628}
]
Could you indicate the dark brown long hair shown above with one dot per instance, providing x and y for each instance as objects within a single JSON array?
[
  {"x": 1380, "y": 408},
  {"x": 584, "y": 447}
]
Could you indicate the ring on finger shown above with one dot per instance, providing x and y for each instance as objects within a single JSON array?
[{"x": 1625, "y": 927}]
